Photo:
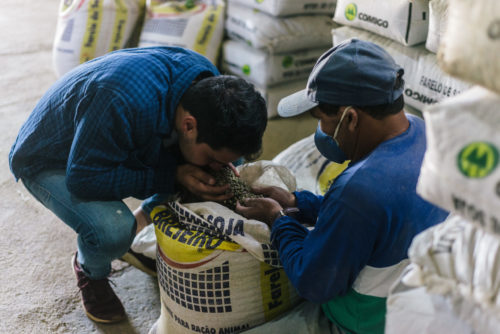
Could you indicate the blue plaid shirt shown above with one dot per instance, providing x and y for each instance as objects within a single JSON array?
[{"x": 105, "y": 121}]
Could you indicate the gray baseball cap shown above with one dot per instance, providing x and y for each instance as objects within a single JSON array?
[{"x": 354, "y": 72}]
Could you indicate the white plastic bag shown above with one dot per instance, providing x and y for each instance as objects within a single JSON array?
[
  {"x": 470, "y": 46},
  {"x": 451, "y": 284},
  {"x": 438, "y": 16},
  {"x": 404, "y": 21},
  {"x": 265, "y": 69},
  {"x": 461, "y": 167},
  {"x": 263, "y": 31},
  {"x": 290, "y": 7},
  {"x": 176, "y": 23},
  {"x": 88, "y": 29},
  {"x": 425, "y": 82}
]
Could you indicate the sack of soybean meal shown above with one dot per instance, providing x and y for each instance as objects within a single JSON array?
[
  {"x": 265, "y": 69},
  {"x": 457, "y": 264},
  {"x": 461, "y": 170},
  {"x": 438, "y": 15},
  {"x": 312, "y": 171},
  {"x": 412, "y": 309},
  {"x": 217, "y": 271},
  {"x": 290, "y": 7},
  {"x": 403, "y": 21},
  {"x": 425, "y": 82},
  {"x": 193, "y": 24},
  {"x": 87, "y": 29},
  {"x": 263, "y": 31},
  {"x": 471, "y": 43}
]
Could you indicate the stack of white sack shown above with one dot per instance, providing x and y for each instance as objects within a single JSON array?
[
  {"x": 88, "y": 29},
  {"x": 461, "y": 171},
  {"x": 217, "y": 270},
  {"x": 425, "y": 81},
  {"x": 196, "y": 25},
  {"x": 438, "y": 18},
  {"x": 470, "y": 46},
  {"x": 404, "y": 21},
  {"x": 275, "y": 53},
  {"x": 451, "y": 285},
  {"x": 290, "y": 7}
]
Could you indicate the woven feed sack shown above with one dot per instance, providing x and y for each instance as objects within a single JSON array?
[
  {"x": 258, "y": 173},
  {"x": 207, "y": 281},
  {"x": 87, "y": 29},
  {"x": 274, "y": 94},
  {"x": 217, "y": 271},
  {"x": 438, "y": 16},
  {"x": 457, "y": 263},
  {"x": 425, "y": 81},
  {"x": 196, "y": 25},
  {"x": 403, "y": 21},
  {"x": 265, "y": 69},
  {"x": 411, "y": 309},
  {"x": 290, "y": 7},
  {"x": 470, "y": 46},
  {"x": 262, "y": 31},
  {"x": 312, "y": 171},
  {"x": 461, "y": 171}
]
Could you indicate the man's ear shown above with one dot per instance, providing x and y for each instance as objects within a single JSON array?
[
  {"x": 188, "y": 125},
  {"x": 352, "y": 117}
]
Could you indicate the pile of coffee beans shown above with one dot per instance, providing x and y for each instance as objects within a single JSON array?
[{"x": 237, "y": 186}]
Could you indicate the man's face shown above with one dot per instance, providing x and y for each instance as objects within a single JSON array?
[{"x": 201, "y": 154}]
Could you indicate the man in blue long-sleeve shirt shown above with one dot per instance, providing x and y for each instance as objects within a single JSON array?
[
  {"x": 366, "y": 221},
  {"x": 133, "y": 123}
]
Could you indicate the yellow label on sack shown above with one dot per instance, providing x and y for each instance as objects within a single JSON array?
[
  {"x": 328, "y": 174},
  {"x": 182, "y": 245},
  {"x": 174, "y": 8},
  {"x": 350, "y": 12},
  {"x": 208, "y": 26},
  {"x": 92, "y": 30},
  {"x": 121, "y": 16},
  {"x": 477, "y": 159},
  {"x": 275, "y": 291}
]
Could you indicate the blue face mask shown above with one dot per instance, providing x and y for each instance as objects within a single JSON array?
[{"x": 328, "y": 145}]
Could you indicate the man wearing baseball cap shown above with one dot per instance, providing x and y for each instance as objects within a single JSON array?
[{"x": 366, "y": 221}]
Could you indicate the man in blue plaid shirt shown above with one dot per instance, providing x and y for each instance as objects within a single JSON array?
[{"x": 133, "y": 123}]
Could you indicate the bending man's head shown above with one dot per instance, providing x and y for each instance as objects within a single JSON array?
[{"x": 230, "y": 114}]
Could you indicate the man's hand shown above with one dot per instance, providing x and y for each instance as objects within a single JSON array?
[
  {"x": 283, "y": 197},
  {"x": 201, "y": 183},
  {"x": 263, "y": 209}
]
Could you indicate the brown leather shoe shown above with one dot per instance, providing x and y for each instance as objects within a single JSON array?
[{"x": 98, "y": 298}]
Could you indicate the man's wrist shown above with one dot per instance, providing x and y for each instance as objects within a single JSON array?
[{"x": 291, "y": 212}]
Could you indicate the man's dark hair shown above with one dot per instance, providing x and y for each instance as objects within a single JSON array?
[{"x": 229, "y": 112}]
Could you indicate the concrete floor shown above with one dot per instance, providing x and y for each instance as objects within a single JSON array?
[{"x": 38, "y": 292}]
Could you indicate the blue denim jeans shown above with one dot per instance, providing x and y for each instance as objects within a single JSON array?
[{"x": 105, "y": 229}]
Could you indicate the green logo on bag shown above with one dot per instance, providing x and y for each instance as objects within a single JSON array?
[
  {"x": 478, "y": 159},
  {"x": 351, "y": 10},
  {"x": 287, "y": 61},
  {"x": 246, "y": 69},
  {"x": 259, "y": 1}
]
